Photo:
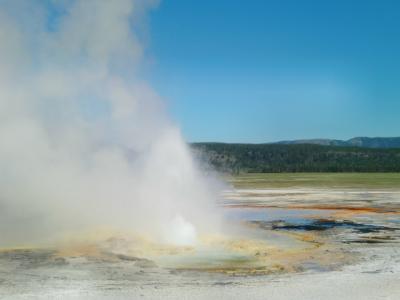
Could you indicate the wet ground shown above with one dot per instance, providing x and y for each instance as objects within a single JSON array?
[{"x": 290, "y": 231}]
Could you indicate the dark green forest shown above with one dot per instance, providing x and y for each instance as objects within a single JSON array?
[{"x": 275, "y": 158}]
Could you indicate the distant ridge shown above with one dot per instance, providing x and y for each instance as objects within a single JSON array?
[{"x": 363, "y": 142}]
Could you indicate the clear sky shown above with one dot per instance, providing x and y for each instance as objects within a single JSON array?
[{"x": 267, "y": 70}]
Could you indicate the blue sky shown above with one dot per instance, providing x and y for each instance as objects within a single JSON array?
[{"x": 259, "y": 71}]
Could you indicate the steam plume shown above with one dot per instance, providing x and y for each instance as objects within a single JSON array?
[{"x": 84, "y": 142}]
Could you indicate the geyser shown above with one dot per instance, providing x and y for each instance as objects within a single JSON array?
[
  {"x": 182, "y": 233},
  {"x": 85, "y": 142}
]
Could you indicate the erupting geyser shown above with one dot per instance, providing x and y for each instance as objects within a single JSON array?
[
  {"x": 182, "y": 233},
  {"x": 84, "y": 141}
]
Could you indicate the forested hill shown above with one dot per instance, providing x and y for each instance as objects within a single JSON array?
[{"x": 251, "y": 158}]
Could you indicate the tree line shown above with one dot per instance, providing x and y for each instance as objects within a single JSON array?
[{"x": 275, "y": 158}]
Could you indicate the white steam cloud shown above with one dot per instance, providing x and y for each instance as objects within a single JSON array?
[{"x": 83, "y": 141}]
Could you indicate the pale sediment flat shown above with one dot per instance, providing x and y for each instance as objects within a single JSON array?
[
  {"x": 338, "y": 242},
  {"x": 284, "y": 197},
  {"x": 377, "y": 279}
]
